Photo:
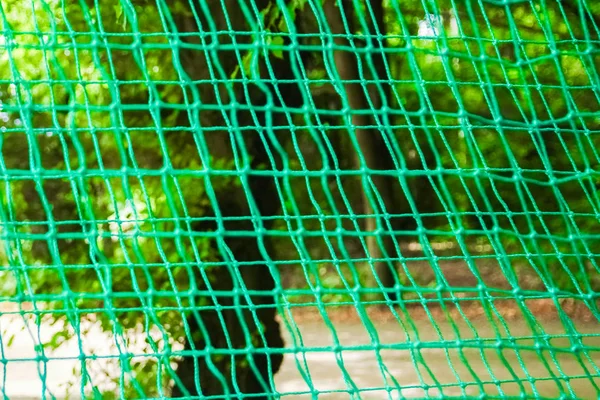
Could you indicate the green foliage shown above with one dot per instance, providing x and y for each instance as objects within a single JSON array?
[{"x": 131, "y": 220}]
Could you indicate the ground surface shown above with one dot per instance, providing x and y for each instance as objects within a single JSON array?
[
  {"x": 456, "y": 349},
  {"x": 468, "y": 343}
]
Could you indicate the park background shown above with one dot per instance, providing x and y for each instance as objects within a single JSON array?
[{"x": 384, "y": 170}]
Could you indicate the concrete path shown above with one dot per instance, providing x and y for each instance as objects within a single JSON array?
[{"x": 318, "y": 369}]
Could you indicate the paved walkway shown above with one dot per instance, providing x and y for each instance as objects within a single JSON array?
[{"x": 21, "y": 378}]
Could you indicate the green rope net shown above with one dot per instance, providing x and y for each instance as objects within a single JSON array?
[{"x": 299, "y": 199}]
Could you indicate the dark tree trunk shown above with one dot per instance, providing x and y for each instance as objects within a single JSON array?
[
  {"x": 370, "y": 141},
  {"x": 243, "y": 315}
]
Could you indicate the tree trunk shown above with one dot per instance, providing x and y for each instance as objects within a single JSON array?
[
  {"x": 216, "y": 361},
  {"x": 371, "y": 144}
]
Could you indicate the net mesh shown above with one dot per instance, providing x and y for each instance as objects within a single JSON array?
[{"x": 302, "y": 198}]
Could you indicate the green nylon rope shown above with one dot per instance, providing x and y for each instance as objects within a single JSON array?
[{"x": 129, "y": 132}]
